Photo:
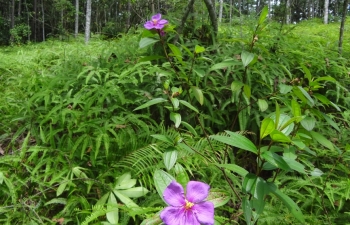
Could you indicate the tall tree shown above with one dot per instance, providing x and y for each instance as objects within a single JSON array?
[
  {"x": 87, "y": 21},
  {"x": 341, "y": 33},
  {"x": 325, "y": 13},
  {"x": 76, "y": 22},
  {"x": 221, "y": 6}
]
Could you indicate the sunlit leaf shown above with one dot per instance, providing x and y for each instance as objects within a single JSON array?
[
  {"x": 144, "y": 42},
  {"x": 151, "y": 102}
]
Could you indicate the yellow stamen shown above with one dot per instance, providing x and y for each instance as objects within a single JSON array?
[
  {"x": 155, "y": 22},
  {"x": 188, "y": 205}
]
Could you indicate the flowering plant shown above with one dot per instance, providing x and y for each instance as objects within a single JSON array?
[
  {"x": 189, "y": 210},
  {"x": 156, "y": 22}
]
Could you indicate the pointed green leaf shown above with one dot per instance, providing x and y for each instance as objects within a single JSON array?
[
  {"x": 151, "y": 102},
  {"x": 218, "y": 197},
  {"x": 175, "y": 51},
  {"x": 198, "y": 94},
  {"x": 235, "y": 168},
  {"x": 247, "y": 58},
  {"x": 263, "y": 15},
  {"x": 247, "y": 91},
  {"x": 188, "y": 105},
  {"x": 112, "y": 207},
  {"x": 189, "y": 128},
  {"x": 275, "y": 160},
  {"x": 181, "y": 174},
  {"x": 199, "y": 49},
  {"x": 322, "y": 140},
  {"x": 134, "y": 192},
  {"x": 278, "y": 136},
  {"x": 161, "y": 180},
  {"x": 296, "y": 111},
  {"x": 169, "y": 159},
  {"x": 236, "y": 85},
  {"x": 267, "y": 126},
  {"x": 237, "y": 141},
  {"x": 307, "y": 95},
  {"x": 308, "y": 123},
  {"x": 225, "y": 64},
  {"x": 249, "y": 183},
  {"x": 144, "y": 42},
  {"x": 175, "y": 102},
  {"x": 176, "y": 118},
  {"x": 164, "y": 138},
  {"x": 263, "y": 106},
  {"x": 126, "y": 200}
]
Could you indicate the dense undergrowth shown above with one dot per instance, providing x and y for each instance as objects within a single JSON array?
[{"x": 79, "y": 121}]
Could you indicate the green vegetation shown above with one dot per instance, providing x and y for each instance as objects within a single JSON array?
[{"x": 262, "y": 115}]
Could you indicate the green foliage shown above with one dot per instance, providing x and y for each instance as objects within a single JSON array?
[{"x": 87, "y": 131}]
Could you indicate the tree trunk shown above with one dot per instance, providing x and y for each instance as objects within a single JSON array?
[
  {"x": 231, "y": 6},
  {"x": 183, "y": 20},
  {"x": 288, "y": 12},
  {"x": 212, "y": 16},
  {"x": 128, "y": 16},
  {"x": 325, "y": 13},
  {"x": 12, "y": 14},
  {"x": 35, "y": 18},
  {"x": 76, "y": 27},
  {"x": 87, "y": 21},
  {"x": 221, "y": 2},
  {"x": 43, "y": 18},
  {"x": 341, "y": 33}
]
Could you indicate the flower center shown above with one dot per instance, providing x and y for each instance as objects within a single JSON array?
[
  {"x": 188, "y": 205},
  {"x": 155, "y": 22}
]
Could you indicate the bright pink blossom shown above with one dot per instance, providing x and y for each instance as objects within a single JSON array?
[
  {"x": 189, "y": 210},
  {"x": 156, "y": 23}
]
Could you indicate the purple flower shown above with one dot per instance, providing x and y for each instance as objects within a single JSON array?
[
  {"x": 156, "y": 22},
  {"x": 189, "y": 210}
]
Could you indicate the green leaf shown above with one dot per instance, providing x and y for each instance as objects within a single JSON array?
[
  {"x": 112, "y": 207},
  {"x": 175, "y": 51},
  {"x": 308, "y": 123},
  {"x": 316, "y": 173},
  {"x": 163, "y": 138},
  {"x": 288, "y": 202},
  {"x": 236, "y": 85},
  {"x": 125, "y": 181},
  {"x": 150, "y": 58},
  {"x": 134, "y": 192},
  {"x": 169, "y": 158},
  {"x": 175, "y": 102},
  {"x": 237, "y": 141},
  {"x": 189, "y": 128},
  {"x": 294, "y": 165},
  {"x": 330, "y": 121},
  {"x": 263, "y": 15},
  {"x": 247, "y": 58},
  {"x": 218, "y": 197},
  {"x": 247, "y": 210},
  {"x": 249, "y": 183},
  {"x": 199, "y": 49},
  {"x": 307, "y": 72},
  {"x": 161, "y": 181},
  {"x": 181, "y": 174},
  {"x": 267, "y": 126},
  {"x": 61, "y": 187},
  {"x": 126, "y": 200},
  {"x": 235, "y": 168},
  {"x": 263, "y": 106},
  {"x": 1, "y": 177},
  {"x": 296, "y": 111},
  {"x": 278, "y": 136},
  {"x": 151, "y": 102},
  {"x": 176, "y": 118},
  {"x": 284, "y": 89},
  {"x": 198, "y": 94},
  {"x": 224, "y": 64},
  {"x": 306, "y": 95},
  {"x": 188, "y": 105},
  {"x": 275, "y": 160},
  {"x": 144, "y": 42},
  {"x": 247, "y": 91},
  {"x": 322, "y": 140}
]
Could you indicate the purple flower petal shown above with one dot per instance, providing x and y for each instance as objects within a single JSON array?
[
  {"x": 178, "y": 216},
  {"x": 204, "y": 212},
  {"x": 157, "y": 17},
  {"x": 174, "y": 194},
  {"x": 197, "y": 191},
  {"x": 159, "y": 26},
  {"x": 149, "y": 25},
  {"x": 163, "y": 22}
]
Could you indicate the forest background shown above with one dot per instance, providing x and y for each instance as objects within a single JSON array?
[{"x": 250, "y": 97}]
